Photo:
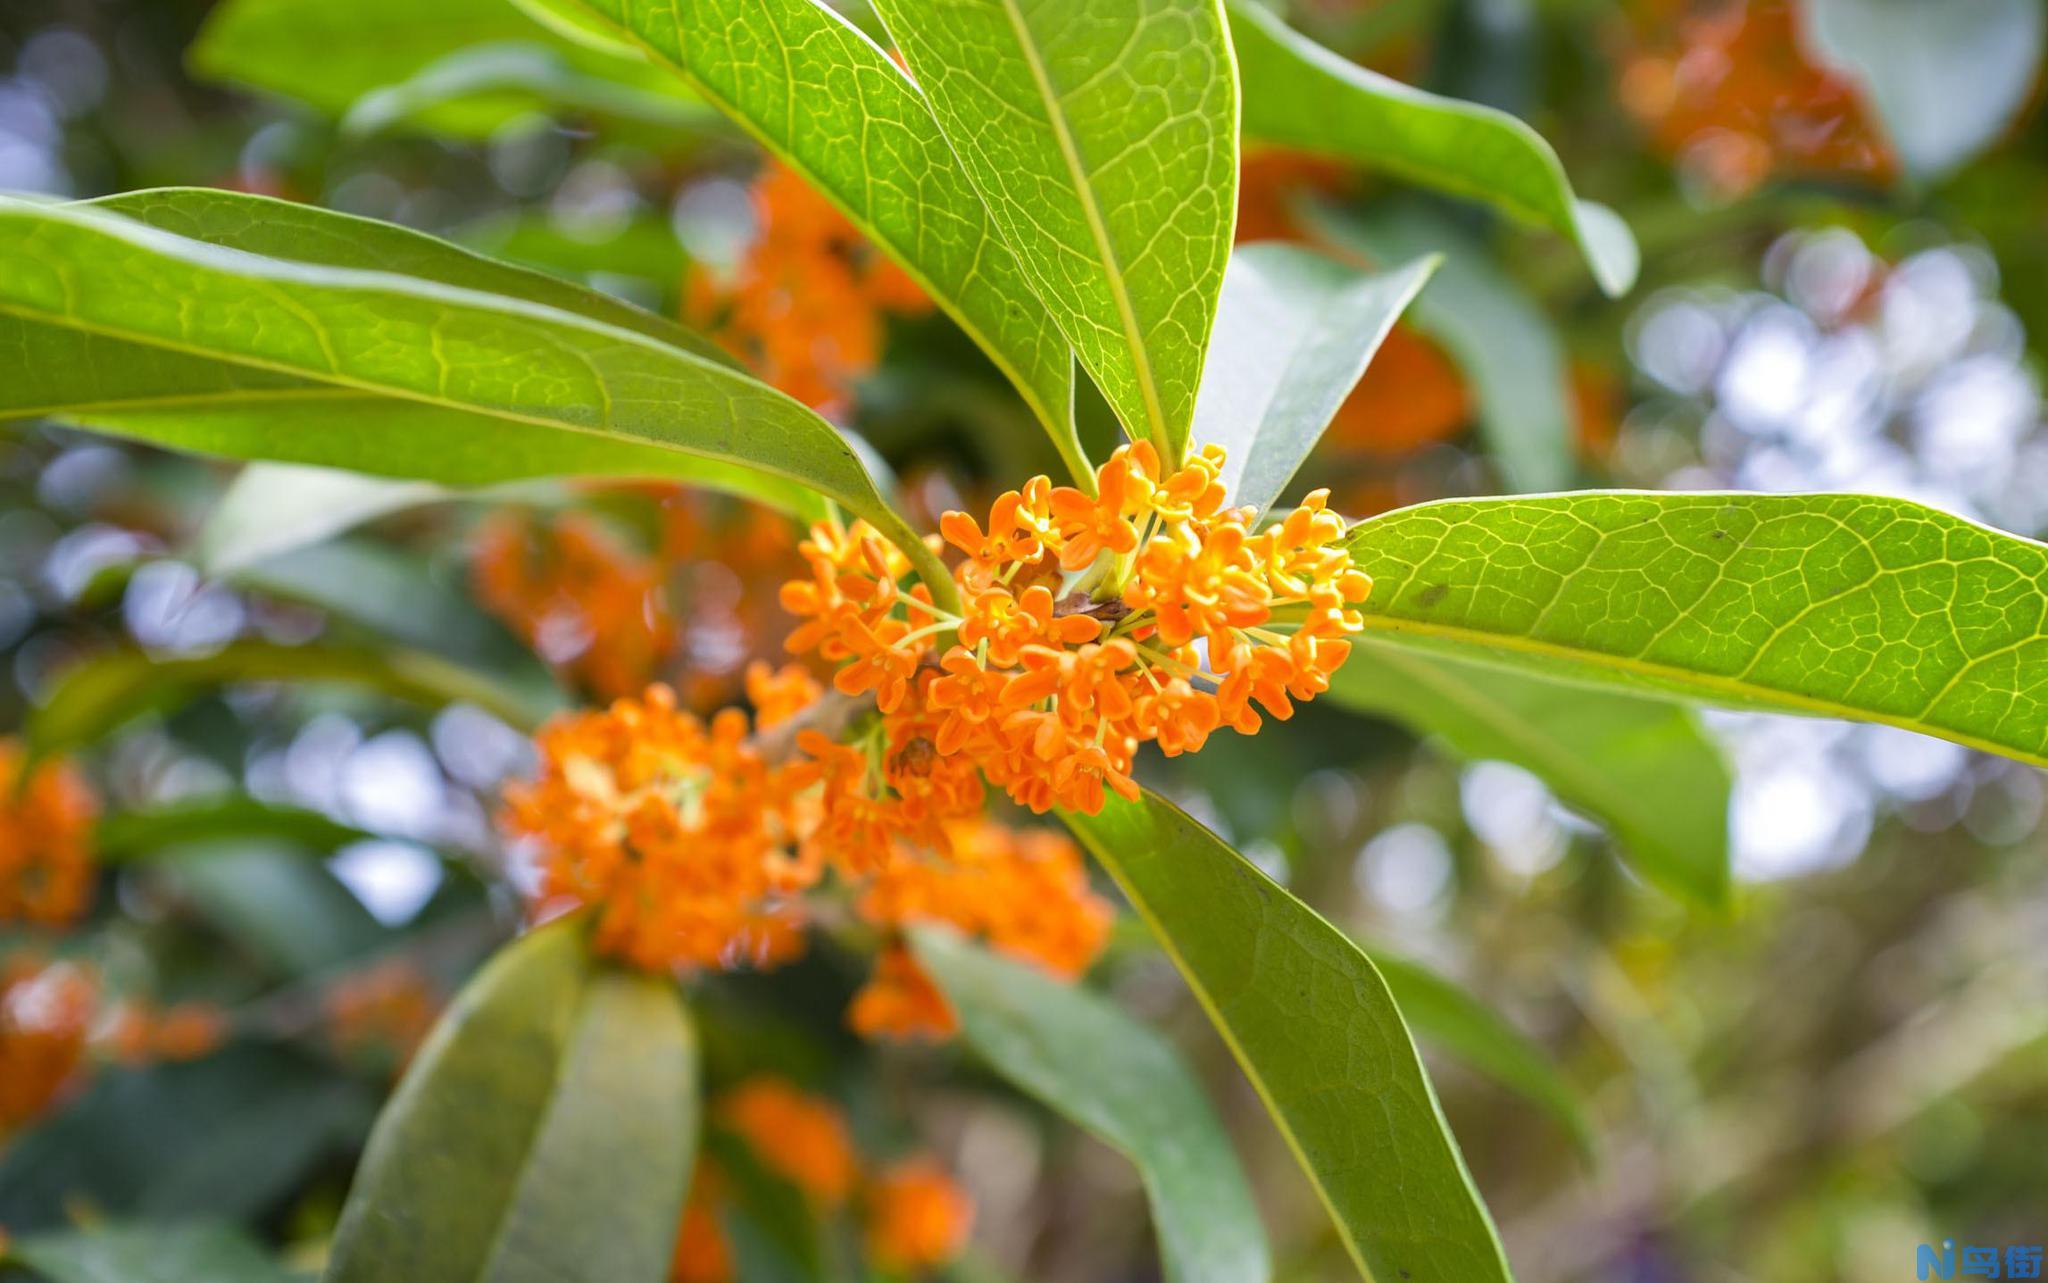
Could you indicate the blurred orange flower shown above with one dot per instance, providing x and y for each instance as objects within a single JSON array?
[
  {"x": 46, "y": 864},
  {"x": 46, "y": 1013},
  {"x": 804, "y": 307},
  {"x": 799, "y": 1136},
  {"x": 918, "y": 1217}
]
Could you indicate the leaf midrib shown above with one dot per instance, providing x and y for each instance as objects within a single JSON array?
[{"x": 1084, "y": 191}]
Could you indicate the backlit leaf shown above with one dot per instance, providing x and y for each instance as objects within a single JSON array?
[
  {"x": 822, "y": 97},
  {"x": 1316, "y": 1031},
  {"x": 1103, "y": 135},
  {"x": 1836, "y": 605},
  {"x": 1124, "y": 1084},
  {"x": 535, "y": 369}
]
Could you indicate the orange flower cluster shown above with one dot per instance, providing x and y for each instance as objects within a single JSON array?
[
  {"x": 917, "y": 1217},
  {"x": 1147, "y": 612},
  {"x": 1411, "y": 396},
  {"x": 1735, "y": 100},
  {"x": 696, "y": 842},
  {"x": 46, "y": 1013},
  {"x": 586, "y": 604},
  {"x": 805, "y": 307},
  {"x": 46, "y": 864}
]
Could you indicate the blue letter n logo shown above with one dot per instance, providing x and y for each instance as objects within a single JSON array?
[{"x": 1943, "y": 1265}]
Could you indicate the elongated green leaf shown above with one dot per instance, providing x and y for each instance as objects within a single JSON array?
[
  {"x": 1446, "y": 1016},
  {"x": 1103, "y": 136},
  {"x": 544, "y": 1132},
  {"x": 1499, "y": 337},
  {"x": 103, "y": 693},
  {"x": 1316, "y": 1031},
  {"x": 131, "y": 835},
  {"x": 1125, "y": 1085},
  {"x": 330, "y": 56},
  {"x": 193, "y": 1253},
  {"x": 1946, "y": 79},
  {"x": 1835, "y": 605},
  {"x": 819, "y": 95},
  {"x": 1294, "y": 332},
  {"x": 534, "y": 368},
  {"x": 1300, "y": 94},
  {"x": 1641, "y": 766}
]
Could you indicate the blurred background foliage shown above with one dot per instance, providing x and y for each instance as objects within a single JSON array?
[{"x": 1843, "y": 212}]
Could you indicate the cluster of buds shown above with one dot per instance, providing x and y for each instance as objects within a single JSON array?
[
  {"x": 804, "y": 307},
  {"x": 1092, "y": 624},
  {"x": 916, "y": 1217}
]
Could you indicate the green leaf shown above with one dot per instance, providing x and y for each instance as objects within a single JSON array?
[
  {"x": 1834, "y": 605},
  {"x": 134, "y": 835},
  {"x": 1103, "y": 136},
  {"x": 1294, "y": 332},
  {"x": 1126, "y": 1086},
  {"x": 1442, "y": 1014},
  {"x": 1316, "y": 1031},
  {"x": 194, "y": 1253},
  {"x": 330, "y": 56},
  {"x": 1492, "y": 329},
  {"x": 1299, "y": 94},
  {"x": 534, "y": 369},
  {"x": 819, "y": 95},
  {"x": 544, "y": 1132},
  {"x": 513, "y": 75},
  {"x": 1947, "y": 80},
  {"x": 1643, "y": 767},
  {"x": 105, "y": 692}
]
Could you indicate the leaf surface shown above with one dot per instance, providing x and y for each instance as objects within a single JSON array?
[
  {"x": 1126, "y": 1086},
  {"x": 1294, "y": 332},
  {"x": 1318, "y": 1034},
  {"x": 188, "y": 1253},
  {"x": 1103, "y": 136},
  {"x": 543, "y": 1132},
  {"x": 1850, "y": 606},
  {"x": 533, "y": 368},
  {"x": 1643, "y": 767},
  {"x": 1299, "y": 94},
  {"x": 830, "y": 104}
]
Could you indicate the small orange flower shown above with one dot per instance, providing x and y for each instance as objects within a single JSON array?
[
  {"x": 801, "y": 1137},
  {"x": 805, "y": 306},
  {"x": 778, "y": 694},
  {"x": 900, "y": 1001},
  {"x": 45, "y": 1015},
  {"x": 46, "y": 864},
  {"x": 918, "y": 1217},
  {"x": 138, "y": 1034}
]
